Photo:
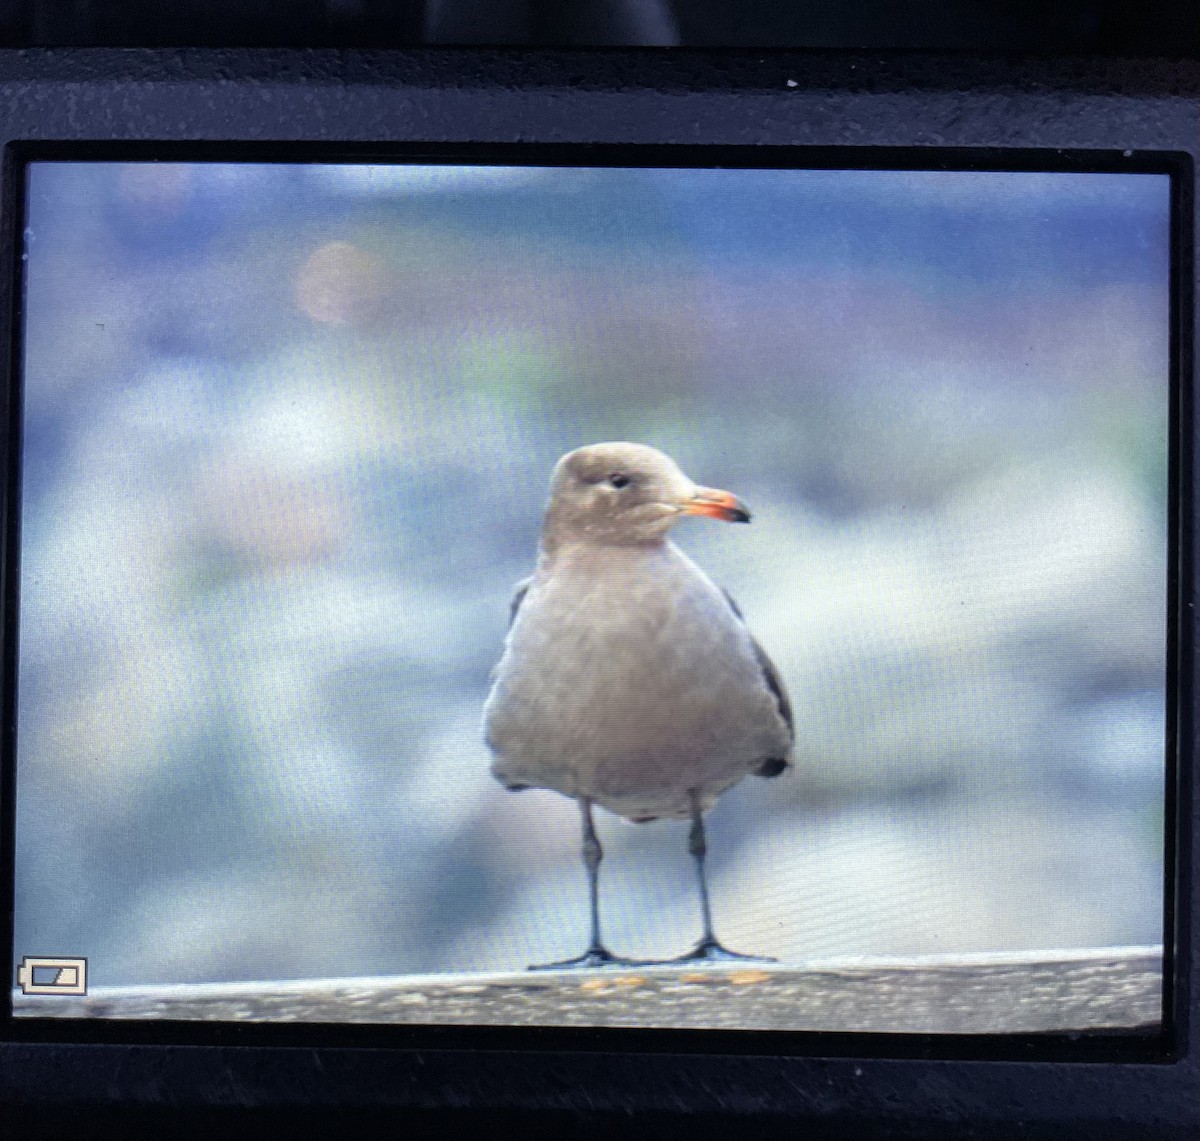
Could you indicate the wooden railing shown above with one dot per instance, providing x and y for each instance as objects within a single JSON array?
[{"x": 967, "y": 994}]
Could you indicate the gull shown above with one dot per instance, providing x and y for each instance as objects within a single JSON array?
[{"x": 628, "y": 679}]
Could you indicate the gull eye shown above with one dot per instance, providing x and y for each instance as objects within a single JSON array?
[{"x": 618, "y": 480}]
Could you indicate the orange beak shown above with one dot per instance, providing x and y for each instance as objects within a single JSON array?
[{"x": 714, "y": 504}]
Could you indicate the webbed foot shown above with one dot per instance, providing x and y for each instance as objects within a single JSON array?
[
  {"x": 598, "y": 956},
  {"x": 710, "y": 951}
]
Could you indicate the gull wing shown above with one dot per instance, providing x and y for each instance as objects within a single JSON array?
[
  {"x": 774, "y": 766},
  {"x": 518, "y": 597}
]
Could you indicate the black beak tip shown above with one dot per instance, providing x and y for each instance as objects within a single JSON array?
[{"x": 739, "y": 515}]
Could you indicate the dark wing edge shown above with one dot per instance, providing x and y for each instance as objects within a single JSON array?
[
  {"x": 775, "y": 765},
  {"x": 775, "y": 685},
  {"x": 518, "y": 597},
  {"x": 522, "y": 589}
]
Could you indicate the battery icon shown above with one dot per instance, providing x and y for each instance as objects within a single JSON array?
[{"x": 52, "y": 976}]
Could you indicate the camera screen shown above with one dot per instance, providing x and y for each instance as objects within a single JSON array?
[{"x": 593, "y": 596}]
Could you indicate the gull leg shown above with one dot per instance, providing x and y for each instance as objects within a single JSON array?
[
  {"x": 597, "y": 954},
  {"x": 708, "y": 949}
]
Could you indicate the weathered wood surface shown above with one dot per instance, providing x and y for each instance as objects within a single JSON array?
[{"x": 972, "y": 994}]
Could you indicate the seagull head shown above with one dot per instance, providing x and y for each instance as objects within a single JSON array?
[{"x": 626, "y": 495}]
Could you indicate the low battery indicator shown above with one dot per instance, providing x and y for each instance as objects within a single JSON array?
[{"x": 52, "y": 976}]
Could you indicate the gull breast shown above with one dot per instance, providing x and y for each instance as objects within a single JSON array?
[{"x": 628, "y": 678}]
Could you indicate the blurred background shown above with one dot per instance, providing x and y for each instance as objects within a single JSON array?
[{"x": 288, "y": 431}]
